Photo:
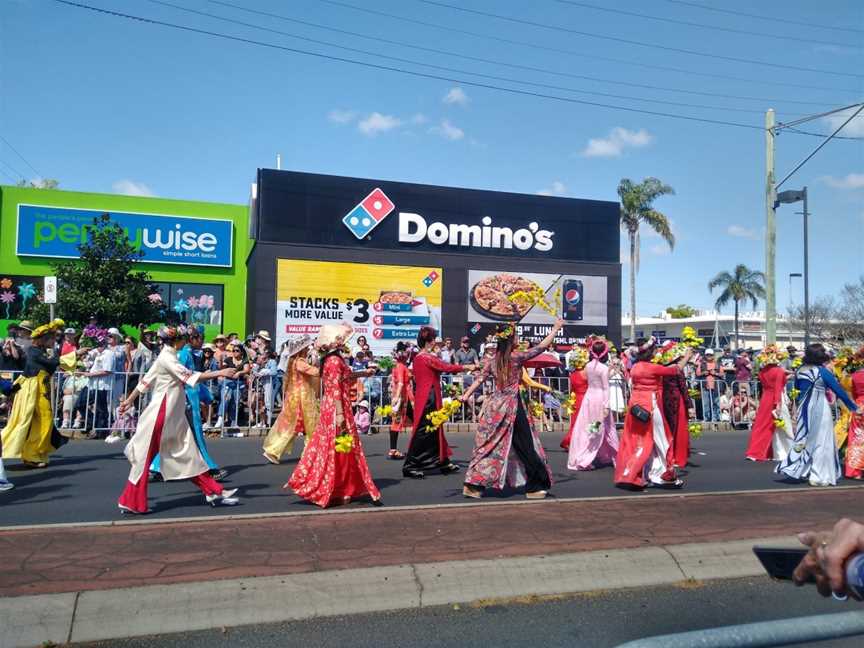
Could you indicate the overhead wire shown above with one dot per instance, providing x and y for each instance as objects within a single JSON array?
[
  {"x": 477, "y": 59},
  {"x": 687, "y": 23},
  {"x": 808, "y": 118},
  {"x": 668, "y": 48},
  {"x": 15, "y": 151},
  {"x": 557, "y": 50},
  {"x": 798, "y": 131},
  {"x": 13, "y": 170},
  {"x": 773, "y": 19},
  {"x": 425, "y": 75}
]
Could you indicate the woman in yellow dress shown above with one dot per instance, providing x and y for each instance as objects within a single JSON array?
[
  {"x": 300, "y": 394},
  {"x": 30, "y": 434}
]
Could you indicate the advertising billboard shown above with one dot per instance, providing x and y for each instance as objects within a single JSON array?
[
  {"x": 384, "y": 303},
  {"x": 56, "y": 232},
  {"x": 579, "y": 299}
]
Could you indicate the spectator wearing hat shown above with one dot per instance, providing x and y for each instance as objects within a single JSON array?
[
  {"x": 120, "y": 358},
  {"x": 97, "y": 392},
  {"x": 11, "y": 360},
  {"x": 708, "y": 372},
  {"x": 70, "y": 341},
  {"x": 466, "y": 355},
  {"x": 220, "y": 343},
  {"x": 362, "y": 418}
]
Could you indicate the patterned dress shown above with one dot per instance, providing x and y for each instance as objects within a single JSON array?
[
  {"x": 324, "y": 476},
  {"x": 299, "y": 413},
  {"x": 855, "y": 437},
  {"x": 401, "y": 398},
  {"x": 507, "y": 448},
  {"x": 676, "y": 405}
]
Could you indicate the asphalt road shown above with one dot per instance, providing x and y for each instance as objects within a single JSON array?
[
  {"x": 85, "y": 478},
  {"x": 597, "y": 619}
]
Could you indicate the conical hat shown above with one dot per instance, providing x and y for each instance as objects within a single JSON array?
[
  {"x": 333, "y": 335},
  {"x": 297, "y": 344}
]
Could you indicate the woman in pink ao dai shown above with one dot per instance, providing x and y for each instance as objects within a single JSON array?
[{"x": 594, "y": 441}]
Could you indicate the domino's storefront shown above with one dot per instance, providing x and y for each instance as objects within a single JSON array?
[
  {"x": 194, "y": 251},
  {"x": 389, "y": 257}
]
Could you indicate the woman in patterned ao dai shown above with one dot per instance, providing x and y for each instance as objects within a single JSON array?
[{"x": 507, "y": 448}]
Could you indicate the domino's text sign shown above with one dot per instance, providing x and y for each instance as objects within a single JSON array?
[{"x": 58, "y": 231}]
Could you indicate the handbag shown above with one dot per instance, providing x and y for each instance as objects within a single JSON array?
[{"x": 640, "y": 413}]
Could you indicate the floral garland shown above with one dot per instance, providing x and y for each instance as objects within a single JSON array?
[
  {"x": 668, "y": 354},
  {"x": 537, "y": 297},
  {"x": 344, "y": 443},
  {"x": 505, "y": 333},
  {"x": 440, "y": 416},
  {"x": 51, "y": 327},
  {"x": 770, "y": 355}
]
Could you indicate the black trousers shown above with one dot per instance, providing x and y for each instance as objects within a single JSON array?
[{"x": 523, "y": 445}]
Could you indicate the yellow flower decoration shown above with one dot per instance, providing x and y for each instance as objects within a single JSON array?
[
  {"x": 693, "y": 392},
  {"x": 344, "y": 443},
  {"x": 383, "y": 411},
  {"x": 689, "y": 337},
  {"x": 536, "y": 408},
  {"x": 695, "y": 430},
  {"x": 578, "y": 358},
  {"x": 569, "y": 404},
  {"x": 537, "y": 297},
  {"x": 440, "y": 416},
  {"x": 797, "y": 363},
  {"x": 794, "y": 393},
  {"x": 779, "y": 423}
]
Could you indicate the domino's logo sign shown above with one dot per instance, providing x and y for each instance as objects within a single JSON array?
[{"x": 368, "y": 213}]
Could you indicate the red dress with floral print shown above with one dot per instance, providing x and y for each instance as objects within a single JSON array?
[
  {"x": 401, "y": 397},
  {"x": 855, "y": 443},
  {"x": 324, "y": 476},
  {"x": 493, "y": 464}
]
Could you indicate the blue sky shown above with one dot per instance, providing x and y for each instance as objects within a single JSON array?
[{"x": 107, "y": 104}]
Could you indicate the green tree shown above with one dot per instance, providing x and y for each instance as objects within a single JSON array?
[
  {"x": 102, "y": 283},
  {"x": 741, "y": 285},
  {"x": 680, "y": 311},
  {"x": 637, "y": 207},
  {"x": 39, "y": 183}
]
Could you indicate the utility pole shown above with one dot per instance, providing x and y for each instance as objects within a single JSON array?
[
  {"x": 770, "y": 232},
  {"x": 806, "y": 274}
]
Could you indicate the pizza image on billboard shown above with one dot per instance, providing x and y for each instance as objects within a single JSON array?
[{"x": 491, "y": 296}]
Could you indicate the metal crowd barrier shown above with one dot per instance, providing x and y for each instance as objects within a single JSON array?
[{"x": 243, "y": 405}]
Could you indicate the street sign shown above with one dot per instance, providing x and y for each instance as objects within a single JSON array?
[{"x": 50, "y": 292}]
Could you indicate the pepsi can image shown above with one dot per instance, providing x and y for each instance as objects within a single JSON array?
[{"x": 573, "y": 298}]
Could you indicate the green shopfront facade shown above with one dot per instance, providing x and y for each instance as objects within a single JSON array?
[{"x": 206, "y": 285}]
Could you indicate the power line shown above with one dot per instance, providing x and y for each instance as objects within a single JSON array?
[
  {"x": 473, "y": 58},
  {"x": 797, "y": 131},
  {"x": 819, "y": 148},
  {"x": 773, "y": 19},
  {"x": 456, "y": 30},
  {"x": 13, "y": 170},
  {"x": 8, "y": 175},
  {"x": 688, "y": 23},
  {"x": 808, "y": 118},
  {"x": 616, "y": 39},
  {"x": 15, "y": 151},
  {"x": 387, "y": 68}
]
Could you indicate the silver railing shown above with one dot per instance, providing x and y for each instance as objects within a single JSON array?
[{"x": 239, "y": 406}]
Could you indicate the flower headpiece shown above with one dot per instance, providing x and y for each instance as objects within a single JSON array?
[
  {"x": 333, "y": 336},
  {"x": 505, "y": 332},
  {"x": 172, "y": 332},
  {"x": 669, "y": 352},
  {"x": 51, "y": 327},
  {"x": 771, "y": 355},
  {"x": 690, "y": 339}
]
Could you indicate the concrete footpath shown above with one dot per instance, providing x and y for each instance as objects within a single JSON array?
[{"x": 106, "y": 581}]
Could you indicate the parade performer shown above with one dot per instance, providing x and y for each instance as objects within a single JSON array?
[
  {"x": 401, "y": 398},
  {"x": 813, "y": 456},
  {"x": 855, "y": 434},
  {"x": 677, "y": 404},
  {"x": 576, "y": 359},
  {"x": 594, "y": 440},
  {"x": 333, "y": 469},
  {"x": 507, "y": 447},
  {"x": 164, "y": 429},
  {"x": 643, "y": 455},
  {"x": 192, "y": 357},
  {"x": 840, "y": 365},
  {"x": 428, "y": 447},
  {"x": 768, "y": 439},
  {"x": 302, "y": 384},
  {"x": 30, "y": 433}
]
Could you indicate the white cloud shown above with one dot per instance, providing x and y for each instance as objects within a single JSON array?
[
  {"x": 419, "y": 118},
  {"x": 341, "y": 116},
  {"x": 661, "y": 249},
  {"x": 851, "y": 181},
  {"x": 619, "y": 139},
  {"x": 855, "y": 128},
  {"x": 556, "y": 189},
  {"x": 456, "y": 96},
  {"x": 448, "y": 131},
  {"x": 742, "y": 232},
  {"x": 132, "y": 188},
  {"x": 378, "y": 123}
]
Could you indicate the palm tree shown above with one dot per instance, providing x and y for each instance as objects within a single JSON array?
[
  {"x": 741, "y": 285},
  {"x": 637, "y": 208}
]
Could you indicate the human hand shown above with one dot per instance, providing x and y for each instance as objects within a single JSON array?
[
  {"x": 828, "y": 553},
  {"x": 559, "y": 324}
]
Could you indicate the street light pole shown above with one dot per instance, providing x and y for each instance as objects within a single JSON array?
[{"x": 806, "y": 274}]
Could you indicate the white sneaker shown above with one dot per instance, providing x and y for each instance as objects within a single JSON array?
[
  {"x": 6, "y": 486},
  {"x": 77, "y": 424},
  {"x": 65, "y": 424},
  {"x": 223, "y": 499},
  {"x": 218, "y": 423}
]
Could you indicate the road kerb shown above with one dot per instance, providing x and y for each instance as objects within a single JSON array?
[{"x": 159, "y": 609}]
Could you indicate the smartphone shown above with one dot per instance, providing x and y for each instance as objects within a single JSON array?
[{"x": 780, "y": 563}]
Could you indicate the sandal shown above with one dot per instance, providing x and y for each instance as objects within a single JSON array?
[
  {"x": 472, "y": 492},
  {"x": 395, "y": 454}
]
